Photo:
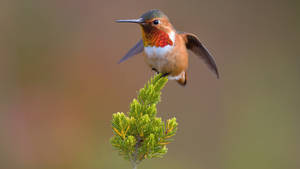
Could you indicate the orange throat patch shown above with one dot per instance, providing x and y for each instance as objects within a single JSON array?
[{"x": 157, "y": 38}]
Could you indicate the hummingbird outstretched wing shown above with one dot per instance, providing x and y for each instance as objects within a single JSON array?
[
  {"x": 138, "y": 48},
  {"x": 193, "y": 43}
]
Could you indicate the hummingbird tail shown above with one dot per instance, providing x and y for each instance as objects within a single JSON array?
[{"x": 182, "y": 81}]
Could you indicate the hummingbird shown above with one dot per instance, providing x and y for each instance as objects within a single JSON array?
[{"x": 165, "y": 48}]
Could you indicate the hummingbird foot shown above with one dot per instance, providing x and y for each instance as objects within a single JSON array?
[
  {"x": 155, "y": 70},
  {"x": 165, "y": 74}
]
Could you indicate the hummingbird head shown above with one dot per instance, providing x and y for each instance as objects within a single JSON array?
[{"x": 156, "y": 28}]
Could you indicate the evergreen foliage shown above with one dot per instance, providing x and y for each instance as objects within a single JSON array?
[{"x": 140, "y": 134}]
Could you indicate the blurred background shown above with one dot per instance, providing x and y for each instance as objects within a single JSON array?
[{"x": 60, "y": 84}]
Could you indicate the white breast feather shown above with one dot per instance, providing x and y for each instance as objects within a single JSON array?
[{"x": 153, "y": 51}]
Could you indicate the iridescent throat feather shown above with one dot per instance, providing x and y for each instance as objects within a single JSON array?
[{"x": 156, "y": 37}]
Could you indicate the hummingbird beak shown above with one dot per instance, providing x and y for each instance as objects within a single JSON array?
[{"x": 140, "y": 21}]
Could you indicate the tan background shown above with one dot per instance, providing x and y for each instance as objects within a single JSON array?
[{"x": 60, "y": 83}]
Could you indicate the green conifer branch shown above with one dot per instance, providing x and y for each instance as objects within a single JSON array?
[{"x": 140, "y": 134}]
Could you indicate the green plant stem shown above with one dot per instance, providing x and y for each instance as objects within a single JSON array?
[{"x": 134, "y": 162}]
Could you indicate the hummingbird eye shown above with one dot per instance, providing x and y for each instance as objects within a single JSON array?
[{"x": 155, "y": 22}]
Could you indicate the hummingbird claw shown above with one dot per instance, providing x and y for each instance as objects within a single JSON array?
[
  {"x": 165, "y": 74},
  {"x": 155, "y": 70}
]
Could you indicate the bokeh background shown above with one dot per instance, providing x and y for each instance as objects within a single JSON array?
[{"x": 60, "y": 84}]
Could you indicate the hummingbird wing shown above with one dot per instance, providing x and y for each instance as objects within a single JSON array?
[
  {"x": 138, "y": 48},
  {"x": 193, "y": 43}
]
